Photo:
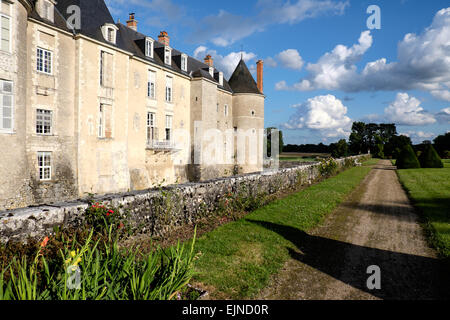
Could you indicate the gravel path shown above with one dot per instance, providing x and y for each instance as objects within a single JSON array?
[{"x": 376, "y": 226}]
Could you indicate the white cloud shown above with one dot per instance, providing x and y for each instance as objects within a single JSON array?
[
  {"x": 227, "y": 63},
  {"x": 406, "y": 110},
  {"x": 444, "y": 115},
  {"x": 324, "y": 114},
  {"x": 225, "y": 28},
  {"x": 423, "y": 64},
  {"x": 290, "y": 59},
  {"x": 419, "y": 136}
]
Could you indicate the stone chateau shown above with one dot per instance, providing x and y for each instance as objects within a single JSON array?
[{"x": 88, "y": 105}]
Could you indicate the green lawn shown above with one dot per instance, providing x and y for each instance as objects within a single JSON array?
[
  {"x": 238, "y": 258},
  {"x": 429, "y": 190}
]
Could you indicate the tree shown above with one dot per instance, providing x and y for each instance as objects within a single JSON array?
[
  {"x": 442, "y": 144},
  {"x": 371, "y": 136},
  {"x": 429, "y": 158},
  {"x": 407, "y": 159},
  {"x": 357, "y": 140},
  {"x": 395, "y": 145},
  {"x": 339, "y": 149}
]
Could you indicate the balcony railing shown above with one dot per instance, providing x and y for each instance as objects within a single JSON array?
[{"x": 161, "y": 145}]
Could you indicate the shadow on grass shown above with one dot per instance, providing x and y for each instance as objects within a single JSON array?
[{"x": 403, "y": 276}]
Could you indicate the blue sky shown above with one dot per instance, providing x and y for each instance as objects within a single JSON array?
[{"x": 323, "y": 67}]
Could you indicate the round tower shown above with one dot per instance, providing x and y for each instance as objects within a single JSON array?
[{"x": 248, "y": 117}]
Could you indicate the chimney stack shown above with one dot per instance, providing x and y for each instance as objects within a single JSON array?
[
  {"x": 260, "y": 74},
  {"x": 209, "y": 61},
  {"x": 132, "y": 23},
  {"x": 164, "y": 38}
]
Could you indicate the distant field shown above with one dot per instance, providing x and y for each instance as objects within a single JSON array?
[
  {"x": 303, "y": 157},
  {"x": 429, "y": 190}
]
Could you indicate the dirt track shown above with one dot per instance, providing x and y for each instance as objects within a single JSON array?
[{"x": 376, "y": 226}]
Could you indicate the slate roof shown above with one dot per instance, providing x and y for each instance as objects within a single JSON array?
[
  {"x": 95, "y": 14},
  {"x": 242, "y": 81}
]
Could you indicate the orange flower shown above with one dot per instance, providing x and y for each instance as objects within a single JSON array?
[{"x": 44, "y": 242}]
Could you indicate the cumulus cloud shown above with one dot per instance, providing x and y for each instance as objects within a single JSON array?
[
  {"x": 444, "y": 115},
  {"x": 419, "y": 136},
  {"x": 225, "y": 28},
  {"x": 423, "y": 64},
  {"x": 270, "y": 62},
  {"x": 323, "y": 114},
  {"x": 406, "y": 110},
  {"x": 290, "y": 59},
  {"x": 227, "y": 63}
]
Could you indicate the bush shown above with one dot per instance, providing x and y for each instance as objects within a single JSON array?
[
  {"x": 328, "y": 167},
  {"x": 429, "y": 158},
  {"x": 407, "y": 159}
]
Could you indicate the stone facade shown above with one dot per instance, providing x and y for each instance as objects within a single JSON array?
[
  {"x": 95, "y": 93},
  {"x": 160, "y": 211}
]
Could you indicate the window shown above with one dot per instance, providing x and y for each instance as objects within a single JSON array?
[
  {"x": 44, "y": 165},
  {"x": 225, "y": 111},
  {"x": 149, "y": 48},
  {"x": 6, "y": 106},
  {"x": 211, "y": 71},
  {"x": 47, "y": 11},
  {"x": 169, "y": 92},
  {"x": 151, "y": 127},
  {"x": 167, "y": 56},
  {"x": 104, "y": 121},
  {"x": 43, "y": 121},
  {"x": 5, "y": 33},
  {"x": 110, "y": 35},
  {"x": 105, "y": 69},
  {"x": 184, "y": 62},
  {"x": 169, "y": 120},
  {"x": 151, "y": 87},
  {"x": 221, "y": 78},
  {"x": 217, "y": 108},
  {"x": 44, "y": 61}
]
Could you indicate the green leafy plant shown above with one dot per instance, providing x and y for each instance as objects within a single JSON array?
[{"x": 328, "y": 167}]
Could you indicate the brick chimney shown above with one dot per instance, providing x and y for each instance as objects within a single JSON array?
[
  {"x": 164, "y": 38},
  {"x": 209, "y": 61},
  {"x": 260, "y": 75},
  {"x": 132, "y": 23}
]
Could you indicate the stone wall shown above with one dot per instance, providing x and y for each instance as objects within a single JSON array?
[{"x": 158, "y": 211}]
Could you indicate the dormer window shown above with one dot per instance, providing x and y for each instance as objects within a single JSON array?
[
  {"x": 221, "y": 78},
  {"x": 149, "y": 47},
  {"x": 47, "y": 9},
  {"x": 184, "y": 62},
  {"x": 211, "y": 71},
  {"x": 167, "y": 55},
  {"x": 110, "y": 32}
]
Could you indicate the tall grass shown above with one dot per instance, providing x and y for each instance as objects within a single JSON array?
[{"x": 98, "y": 270}]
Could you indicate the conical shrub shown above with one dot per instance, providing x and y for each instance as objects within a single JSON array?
[
  {"x": 429, "y": 158},
  {"x": 407, "y": 159}
]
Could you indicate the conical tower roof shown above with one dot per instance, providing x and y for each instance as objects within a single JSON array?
[{"x": 242, "y": 80}]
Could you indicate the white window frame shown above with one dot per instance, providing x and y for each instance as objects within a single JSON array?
[
  {"x": 151, "y": 81},
  {"x": 46, "y": 61},
  {"x": 221, "y": 78},
  {"x": 151, "y": 127},
  {"x": 2, "y": 16},
  {"x": 101, "y": 122},
  {"x": 47, "y": 8},
  {"x": 169, "y": 89},
  {"x": 211, "y": 71},
  {"x": 169, "y": 127},
  {"x": 184, "y": 62},
  {"x": 10, "y": 94},
  {"x": 43, "y": 165},
  {"x": 43, "y": 113},
  {"x": 149, "y": 45},
  {"x": 167, "y": 55}
]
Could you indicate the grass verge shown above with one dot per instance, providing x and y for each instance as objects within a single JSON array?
[
  {"x": 238, "y": 259},
  {"x": 429, "y": 191}
]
